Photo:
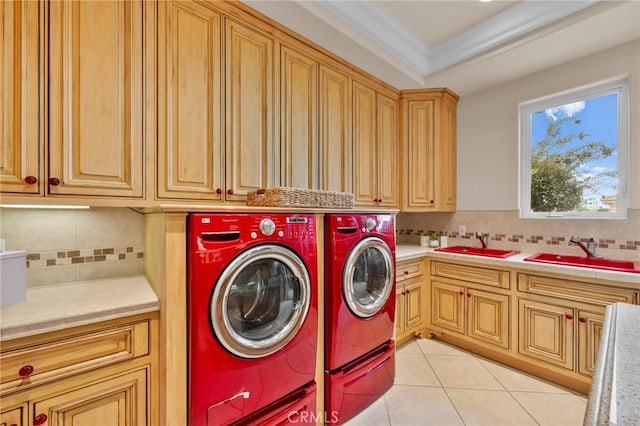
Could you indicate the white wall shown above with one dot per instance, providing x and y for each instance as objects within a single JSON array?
[{"x": 488, "y": 126}]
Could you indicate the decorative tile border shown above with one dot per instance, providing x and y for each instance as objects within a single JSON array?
[
  {"x": 76, "y": 257},
  {"x": 529, "y": 239}
]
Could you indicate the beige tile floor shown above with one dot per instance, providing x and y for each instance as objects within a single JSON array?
[{"x": 439, "y": 384}]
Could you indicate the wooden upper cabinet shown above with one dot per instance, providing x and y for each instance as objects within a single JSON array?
[
  {"x": 374, "y": 147},
  {"x": 189, "y": 162},
  {"x": 251, "y": 152},
  {"x": 420, "y": 154},
  {"x": 334, "y": 128},
  {"x": 446, "y": 151},
  {"x": 298, "y": 119},
  {"x": 21, "y": 143},
  {"x": 387, "y": 138},
  {"x": 364, "y": 145},
  {"x": 96, "y": 98},
  {"x": 429, "y": 150}
]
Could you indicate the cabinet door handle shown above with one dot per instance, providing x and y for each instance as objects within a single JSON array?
[
  {"x": 31, "y": 180},
  {"x": 218, "y": 191},
  {"x": 54, "y": 181},
  {"x": 431, "y": 201},
  {"x": 582, "y": 319},
  {"x": 230, "y": 191},
  {"x": 569, "y": 316},
  {"x": 468, "y": 294},
  {"x": 461, "y": 293},
  {"x": 406, "y": 272},
  {"x": 39, "y": 419},
  {"x": 25, "y": 371}
]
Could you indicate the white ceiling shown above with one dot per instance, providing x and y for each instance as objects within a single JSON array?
[{"x": 466, "y": 45}]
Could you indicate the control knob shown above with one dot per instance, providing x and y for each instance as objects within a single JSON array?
[{"x": 267, "y": 226}]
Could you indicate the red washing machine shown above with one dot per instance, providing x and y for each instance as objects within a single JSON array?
[
  {"x": 359, "y": 311},
  {"x": 252, "y": 318}
]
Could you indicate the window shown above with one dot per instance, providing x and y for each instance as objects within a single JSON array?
[{"x": 574, "y": 153}]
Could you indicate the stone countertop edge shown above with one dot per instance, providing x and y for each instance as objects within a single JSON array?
[
  {"x": 59, "y": 306},
  {"x": 615, "y": 390},
  {"x": 409, "y": 251}
]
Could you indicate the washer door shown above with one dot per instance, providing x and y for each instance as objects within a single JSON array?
[
  {"x": 367, "y": 277},
  {"x": 260, "y": 301}
]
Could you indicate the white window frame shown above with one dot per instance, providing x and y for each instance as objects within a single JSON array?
[{"x": 617, "y": 85}]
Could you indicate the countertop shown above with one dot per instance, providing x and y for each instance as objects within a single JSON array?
[
  {"x": 405, "y": 252},
  {"x": 59, "y": 306},
  {"x": 615, "y": 390}
]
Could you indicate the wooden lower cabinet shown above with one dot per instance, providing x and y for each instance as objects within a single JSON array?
[
  {"x": 409, "y": 311},
  {"x": 410, "y": 284},
  {"x": 554, "y": 321},
  {"x": 107, "y": 377},
  {"x": 561, "y": 335},
  {"x": 589, "y": 332},
  {"x": 13, "y": 416},
  {"x": 471, "y": 301},
  {"x": 478, "y": 314},
  {"x": 546, "y": 332}
]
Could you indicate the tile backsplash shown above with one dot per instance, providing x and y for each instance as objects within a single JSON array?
[
  {"x": 619, "y": 239},
  {"x": 71, "y": 245}
]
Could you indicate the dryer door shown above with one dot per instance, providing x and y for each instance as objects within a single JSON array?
[
  {"x": 260, "y": 301},
  {"x": 367, "y": 277}
]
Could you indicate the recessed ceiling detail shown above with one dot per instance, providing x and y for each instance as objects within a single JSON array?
[
  {"x": 465, "y": 45},
  {"x": 368, "y": 20}
]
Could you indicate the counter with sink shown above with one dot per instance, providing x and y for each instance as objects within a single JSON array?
[
  {"x": 542, "y": 318},
  {"x": 518, "y": 260}
]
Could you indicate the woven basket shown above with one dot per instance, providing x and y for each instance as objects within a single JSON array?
[{"x": 298, "y": 197}]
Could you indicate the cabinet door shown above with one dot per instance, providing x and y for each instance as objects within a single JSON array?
[
  {"x": 546, "y": 332},
  {"x": 118, "y": 401},
  {"x": 334, "y": 127},
  {"x": 413, "y": 304},
  {"x": 447, "y": 306},
  {"x": 420, "y": 155},
  {"x": 189, "y": 163},
  {"x": 96, "y": 98},
  {"x": 298, "y": 112},
  {"x": 20, "y": 139},
  {"x": 364, "y": 145},
  {"x": 488, "y": 317},
  {"x": 15, "y": 416},
  {"x": 400, "y": 314},
  {"x": 589, "y": 331},
  {"x": 251, "y": 153},
  {"x": 387, "y": 142},
  {"x": 447, "y": 151}
]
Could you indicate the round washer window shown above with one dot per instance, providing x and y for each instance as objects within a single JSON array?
[
  {"x": 260, "y": 301},
  {"x": 367, "y": 277}
]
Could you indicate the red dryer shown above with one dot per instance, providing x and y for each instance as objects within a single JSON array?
[
  {"x": 252, "y": 318},
  {"x": 359, "y": 311}
]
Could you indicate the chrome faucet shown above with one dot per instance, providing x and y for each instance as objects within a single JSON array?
[
  {"x": 484, "y": 239},
  {"x": 589, "y": 249}
]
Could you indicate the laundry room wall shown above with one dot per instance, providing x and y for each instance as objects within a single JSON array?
[
  {"x": 488, "y": 173},
  {"x": 71, "y": 245}
]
